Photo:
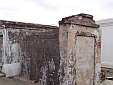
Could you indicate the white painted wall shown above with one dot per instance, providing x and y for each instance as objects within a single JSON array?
[{"x": 106, "y": 27}]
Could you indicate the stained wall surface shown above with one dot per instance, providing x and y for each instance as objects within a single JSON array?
[
  {"x": 80, "y": 49},
  {"x": 85, "y": 60},
  {"x": 35, "y": 46},
  {"x": 1, "y": 43},
  {"x": 52, "y": 55}
]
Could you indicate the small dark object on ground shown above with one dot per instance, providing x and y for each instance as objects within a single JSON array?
[{"x": 109, "y": 78}]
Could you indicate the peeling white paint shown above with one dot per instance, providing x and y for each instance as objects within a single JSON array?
[
  {"x": 11, "y": 51},
  {"x": 97, "y": 73},
  {"x": 6, "y": 46},
  {"x": 72, "y": 65},
  {"x": 95, "y": 32},
  {"x": 25, "y": 62},
  {"x": 62, "y": 67},
  {"x": 51, "y": 65},
  {"x": 43, "y": 80},
  {"x": 87, "y": 82}
]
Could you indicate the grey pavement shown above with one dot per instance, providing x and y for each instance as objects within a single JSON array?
[
  {"x": 15, "y": 81},
  {"x": 24, "y": 81},
  {"x": 107, "y": 82}
]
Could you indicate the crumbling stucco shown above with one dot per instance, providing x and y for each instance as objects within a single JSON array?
[
  {"x": 35, "y": 46},
  {"x": 70, "y": 29},
  {"x": 53, "y": 56}
]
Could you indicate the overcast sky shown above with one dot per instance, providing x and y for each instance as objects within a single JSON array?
[{"x": 52, "y": 11}]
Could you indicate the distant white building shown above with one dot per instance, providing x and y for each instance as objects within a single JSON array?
[{"x": 106, "y": 26}]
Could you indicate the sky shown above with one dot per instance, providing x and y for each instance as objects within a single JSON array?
[{"x": 49, "y": 12}]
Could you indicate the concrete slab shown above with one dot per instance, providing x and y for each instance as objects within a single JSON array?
[
  {"x": 2, "y": 75},
  {"x": 107, "y": 82}
]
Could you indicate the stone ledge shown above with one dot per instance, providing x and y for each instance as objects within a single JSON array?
[
  {"x": 80, "y": 19},
  {"x": 10, "y": 24}
]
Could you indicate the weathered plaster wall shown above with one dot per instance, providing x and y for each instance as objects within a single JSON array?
[
  {"x": 35, "y": 46},
  {"x": 1, "y": 41},
  {"x": 70, "y": 28},
  {"x": 106, "y": 26},
  {"x": 49, "y": 55}
]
